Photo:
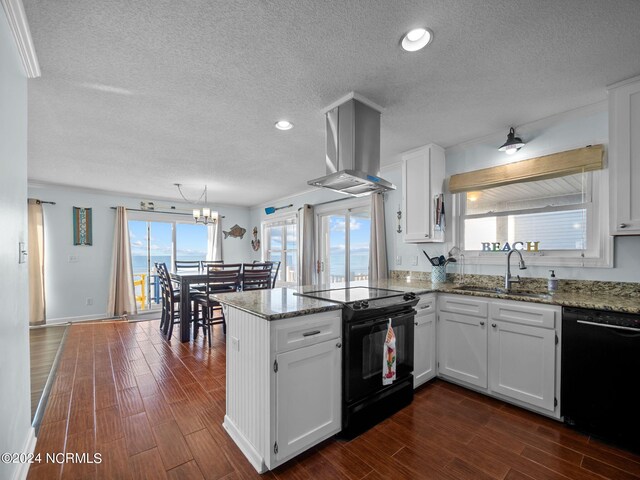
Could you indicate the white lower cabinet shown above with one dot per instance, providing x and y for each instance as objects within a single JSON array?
[
  {"x": 424, "y": 341},
  {"x": 462, "y": 347},
  {"x": 522, "y": 363},
  {"x": 308, "y": 396},
  {"x": 284, "y": 384},
  {"x": 503, "y": 348}
]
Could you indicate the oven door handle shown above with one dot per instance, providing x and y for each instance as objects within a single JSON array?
[{"x": 375, "y": 324}]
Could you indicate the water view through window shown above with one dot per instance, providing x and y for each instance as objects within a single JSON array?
[
  {"x": 153, "y": 242},
  {"x": 345, "y": 246}
]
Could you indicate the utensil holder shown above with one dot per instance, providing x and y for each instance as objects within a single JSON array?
[{"x": 438, "y": 274}]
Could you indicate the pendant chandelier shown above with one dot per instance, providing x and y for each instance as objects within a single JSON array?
[{"x": 200, "y": 215}]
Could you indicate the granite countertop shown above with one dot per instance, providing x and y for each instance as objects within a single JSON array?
[
  {"x": 275, "y": 304},
  {"x": 284, "y": 303}
]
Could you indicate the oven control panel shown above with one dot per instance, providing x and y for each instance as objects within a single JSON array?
[{"x": 380, "y": 306}]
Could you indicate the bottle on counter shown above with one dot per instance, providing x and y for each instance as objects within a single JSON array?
[{"x": 552, "y": 284}]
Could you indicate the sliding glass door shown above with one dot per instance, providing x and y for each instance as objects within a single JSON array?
[
  {"x": 281, "y": 245},
  {"x": 154, "y": 242},
  {"x": 344, "y": 238}
]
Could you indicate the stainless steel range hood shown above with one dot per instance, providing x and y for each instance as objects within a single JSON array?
[{"x": 353, "y": 148}]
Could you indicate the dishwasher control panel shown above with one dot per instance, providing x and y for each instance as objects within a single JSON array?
[{"x": 599, "y": 317}]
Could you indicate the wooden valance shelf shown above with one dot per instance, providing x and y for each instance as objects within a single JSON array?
[{"x": 539, "y": 168}]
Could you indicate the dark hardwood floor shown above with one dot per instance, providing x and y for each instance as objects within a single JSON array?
[{"x": 154, "y": 410}]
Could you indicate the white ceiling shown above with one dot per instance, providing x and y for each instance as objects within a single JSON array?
[{"x": 136, "y": 96}]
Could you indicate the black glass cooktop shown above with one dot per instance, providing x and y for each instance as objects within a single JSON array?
[{"x": 352, "y": 294}]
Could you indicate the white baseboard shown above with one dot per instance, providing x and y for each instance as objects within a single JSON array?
[
  {"x": 22, "y": 469},
  {"x": 245, "y": 446},
  {"x": 83, "y": 318}
]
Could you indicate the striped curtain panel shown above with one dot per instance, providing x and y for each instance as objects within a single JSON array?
[
  {"x": 378, "y": 267},
  {"x": 36, "y": 263},
  {"x": 306, "y": 245},
  {"x": 214, "y": 239},
  {"x": 122, "y": 300}
]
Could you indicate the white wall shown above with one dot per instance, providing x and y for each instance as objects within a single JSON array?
[
  {"x": 15, "y": 400},
  {"x": 68, "y": 285},
  {"x": 577, "y": 128}
]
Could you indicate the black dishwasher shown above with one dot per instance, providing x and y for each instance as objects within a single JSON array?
[{"x": 601, "y": 374}]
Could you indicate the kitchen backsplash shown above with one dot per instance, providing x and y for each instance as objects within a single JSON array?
[{"x": 537, "y": 285}]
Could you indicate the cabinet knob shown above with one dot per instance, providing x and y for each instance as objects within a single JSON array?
[
  {"x": 481, "y": 323},
  {"x": 415, "y": 323},
  {"x": 493, "y": 325},
  {"x": 623, "y": 225},
  {"x": 426, "y": 235},
  {"x": 339, "y": 345}
]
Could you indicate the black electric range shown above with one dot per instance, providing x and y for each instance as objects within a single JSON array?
[{"x": 366, "y": 315}]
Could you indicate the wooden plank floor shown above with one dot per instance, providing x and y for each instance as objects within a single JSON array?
[
  {"x": 154, "y": 410},
  {"x": 43, "y": 346}
]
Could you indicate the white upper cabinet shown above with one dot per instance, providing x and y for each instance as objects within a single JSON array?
[
  {"x": 422, "y": 181},
  {"x": 624, "y": 156}
]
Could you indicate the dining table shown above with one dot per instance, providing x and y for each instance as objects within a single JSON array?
[{"x": 187, "y": 279}]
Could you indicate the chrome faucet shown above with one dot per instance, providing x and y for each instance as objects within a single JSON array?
[{"x": 507, "y": 277}]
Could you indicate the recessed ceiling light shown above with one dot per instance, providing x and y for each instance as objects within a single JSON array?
[
  {"x": 284, "y": 125},
  {"x": 416, "y": 39}
]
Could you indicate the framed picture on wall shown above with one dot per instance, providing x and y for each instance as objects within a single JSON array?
[{"x": 82, "y": 226}]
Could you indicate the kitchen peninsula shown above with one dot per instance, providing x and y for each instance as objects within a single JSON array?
[{"x": 284, "y": 356}]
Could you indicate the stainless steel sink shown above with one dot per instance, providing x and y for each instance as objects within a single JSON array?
[
  {"x": 529, "y": 295},
  {"x": 500, "y": 291},
  {"x": 469, "y": 288}
]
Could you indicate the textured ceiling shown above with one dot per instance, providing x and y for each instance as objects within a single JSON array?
[{"x": 136, "y": 96}]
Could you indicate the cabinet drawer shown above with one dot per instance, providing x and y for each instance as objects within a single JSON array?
[
  {"x": 464, "y": 305},
  {"x": 427, "y": 304},
  {"x": 304, "y": 331},
  {"x": 524, "y": 313}
]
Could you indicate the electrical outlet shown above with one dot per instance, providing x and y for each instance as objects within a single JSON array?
[
  {"x": 73, "y": 258},
  {"x": 89, "y": 301},
  {"x": 414, "y": 260},
  {"x": 399, "y": 260}
]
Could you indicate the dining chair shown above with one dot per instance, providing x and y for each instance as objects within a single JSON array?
[
  {"x": 187, "y": 265},
  {"x": 256, "y": 276},
  {"x": 170, "y": 301},
  {"x": 221, "y": 278},
  {"x": 274, "y": 273},
  {"x": 204, "y": 263}
]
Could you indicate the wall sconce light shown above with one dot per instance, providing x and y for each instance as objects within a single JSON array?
[
  {"x": 270, "y": 210},
  {"x": 513, "y": 143}
]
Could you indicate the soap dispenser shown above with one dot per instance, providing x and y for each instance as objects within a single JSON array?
[{"x": 552, "y": 284}]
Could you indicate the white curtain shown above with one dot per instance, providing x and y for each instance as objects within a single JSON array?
[
  {"x": 122, "y": 299},
  {"x": 36, "y": 263},
  {"x": 306, "y": 245},
  {"x": 378, "y": 269},
  {"x": 214, "y": 239}
]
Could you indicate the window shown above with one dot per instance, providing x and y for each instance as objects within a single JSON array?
[
  {"x": 557, "y": 221},
  {"x": 281, "y": 238},
  {"x": 161, "y": 241},
  {"x": 344, "y": 239}
]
